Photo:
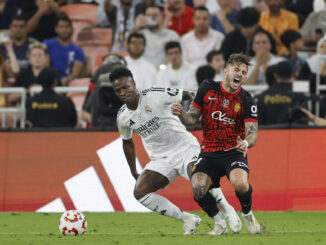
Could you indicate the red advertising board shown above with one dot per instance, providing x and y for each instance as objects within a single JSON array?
[{"x": 287, "y": 171}]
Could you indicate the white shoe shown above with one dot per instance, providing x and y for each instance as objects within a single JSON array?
[
  {"x": 219, "y": 229},
  {"x": 190, "y": 223},
  {"x": 252, "y": 224},
  {"x": 232, "y": 219}
]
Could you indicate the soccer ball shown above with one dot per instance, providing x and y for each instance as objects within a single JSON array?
[{"x": 72, "y": 223}]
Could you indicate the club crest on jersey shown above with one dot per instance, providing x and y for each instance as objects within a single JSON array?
[
  {"x": 237, "y": 107},
  {"x": 172, "y": 91},
  {"x": 148, "y": 109},
  {"x": 226, "y": 103}
]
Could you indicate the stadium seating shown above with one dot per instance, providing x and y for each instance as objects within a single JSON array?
[
  {"x": 95, "y": 42},
  {"x": 82, "y": 15},
  {"x": 79, "y": 98}
]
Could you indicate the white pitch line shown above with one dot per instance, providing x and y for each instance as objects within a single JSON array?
[{"x": 134, "y": 234}]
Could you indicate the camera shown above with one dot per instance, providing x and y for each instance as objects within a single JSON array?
[
  {"x": 4, "y": 37},
  {"x": 150, "y": 21}
]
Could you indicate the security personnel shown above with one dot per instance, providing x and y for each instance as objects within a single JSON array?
[
  {"x": 48, "y": 109},
  {"x": 279, "y": 104}
]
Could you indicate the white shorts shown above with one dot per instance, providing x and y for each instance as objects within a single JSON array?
[{"x": 176, "y": 164}]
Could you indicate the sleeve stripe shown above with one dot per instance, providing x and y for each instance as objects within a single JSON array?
[
  {"x": 197, "y": 106},
  {"x": 251, "y": 120}
]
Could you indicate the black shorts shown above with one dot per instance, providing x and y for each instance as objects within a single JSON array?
[{"x": 219, "y": 164}]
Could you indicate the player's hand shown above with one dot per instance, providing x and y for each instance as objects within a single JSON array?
[
  {"x": 242, "y": 146},
  {"x": 177, "y": 110},
  {"x": 135, "y": 174}
]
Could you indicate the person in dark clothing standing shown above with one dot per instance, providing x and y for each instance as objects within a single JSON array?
[
  {"x": 279, "y": 104},
  {"x": 48, "y": 109}
]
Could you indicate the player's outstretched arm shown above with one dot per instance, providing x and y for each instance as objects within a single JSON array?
[
  {"x": 129, "y": 150},
  {"x": 188, "y": 118}
]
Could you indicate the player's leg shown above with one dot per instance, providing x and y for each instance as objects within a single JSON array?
[
  {"x": 229, "y": 212},
  {"x": 146, "y": 186},
  {"x": 239, "y": 179},
  {"x": 200, "y": 184}
]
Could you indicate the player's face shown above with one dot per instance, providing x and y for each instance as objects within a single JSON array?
[
  {"x": 125, "y": 89},
  {"x": 235, "y": 75}
]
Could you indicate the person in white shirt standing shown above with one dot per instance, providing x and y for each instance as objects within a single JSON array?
[
  {"x": 142, "y": 69},
  {"x": 156, "y": 35},
  {"x": 171, "y": 148},
  {"x": 198, "y": 42},
  {"x": 177, "y": 73}
]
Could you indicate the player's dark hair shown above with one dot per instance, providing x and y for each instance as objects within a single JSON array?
[
  {"x": 18, "y": 18},
  {"x": 120, "y": 72},
  {"x": 248, "y": 17},
  {"x": 201, "y": 8},
  {"x": 290, "y": 36},
  {"x": 211, "y": 54},
  {"x": 204, "y": 72},
  {"x": 238, "y": 58},
  {"x": 284, "y": 70},
  {"x": 64, "y": 17},
  {"x": 136, "y": 35},
  {"x": 171, "y": 45}
]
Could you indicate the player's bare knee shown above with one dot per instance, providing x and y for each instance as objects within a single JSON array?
[
  {"x": 199, "y": 190},
  {"x": 241, "y": 186},
  {"x": 139, "y": 193}
]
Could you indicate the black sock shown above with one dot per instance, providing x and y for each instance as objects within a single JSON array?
[
  {"x": 245, "y": 200},
  {"x": 208, "y": 204}
]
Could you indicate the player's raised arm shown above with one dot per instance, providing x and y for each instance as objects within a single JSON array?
[
  {"x": 129, "y": 150},
  {"x": 188, "y": 118}
]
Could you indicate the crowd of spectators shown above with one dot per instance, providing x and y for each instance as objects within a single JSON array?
[{"x": 172, "y": 43}]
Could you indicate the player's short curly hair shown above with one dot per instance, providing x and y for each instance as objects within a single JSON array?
[
  {"x": 238, "y": 58},
  {"x": 120, "y": 72}
]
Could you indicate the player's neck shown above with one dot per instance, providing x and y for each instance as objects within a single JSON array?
[
  {"x": 227, "y": 88},
  {"x": 132, "y": 105}
]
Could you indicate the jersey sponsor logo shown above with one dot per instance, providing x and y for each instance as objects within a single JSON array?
[
  {"x": 219, "y": 116},
  {"x": 239, "y": 164},
  {"x": 148, "y": 109},
  {"x": 131, "y": 122},
  {"x": 212, "y": 98},
  {"x": 237, "y": 107},
  {"x": 149, "y": 127},
  {"x": 172, "y": 91},
  {"x": 226, "y": 103}
]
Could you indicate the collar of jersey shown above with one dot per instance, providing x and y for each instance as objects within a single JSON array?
[{"x": 227, "y": 93}]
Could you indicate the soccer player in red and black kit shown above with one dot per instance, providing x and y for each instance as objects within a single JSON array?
[{"x": 230, "y": 126}]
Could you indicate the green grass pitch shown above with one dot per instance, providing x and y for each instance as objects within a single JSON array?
[{"x": 290, "y": 228}]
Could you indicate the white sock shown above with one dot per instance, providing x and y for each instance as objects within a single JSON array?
[
  {"x": 220, "y": 199},
  {"x": 218, "y": 218},
  {"x": 160, "y": 204}
]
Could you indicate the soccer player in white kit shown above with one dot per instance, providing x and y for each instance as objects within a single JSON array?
[{"x": 171, "y": 148}]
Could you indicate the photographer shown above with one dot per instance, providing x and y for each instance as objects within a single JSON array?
[
  {"x": 279, "y": 104},
  {"x": 156, "y": 35}
]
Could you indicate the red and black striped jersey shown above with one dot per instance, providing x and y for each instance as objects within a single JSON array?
[{"x": 223, "y": 115}]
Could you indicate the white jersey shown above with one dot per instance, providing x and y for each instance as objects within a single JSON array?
[{"x": 162, "y": 133}]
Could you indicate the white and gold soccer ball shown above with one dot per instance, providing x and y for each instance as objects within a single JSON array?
[{"x": 72, "y": 223}]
